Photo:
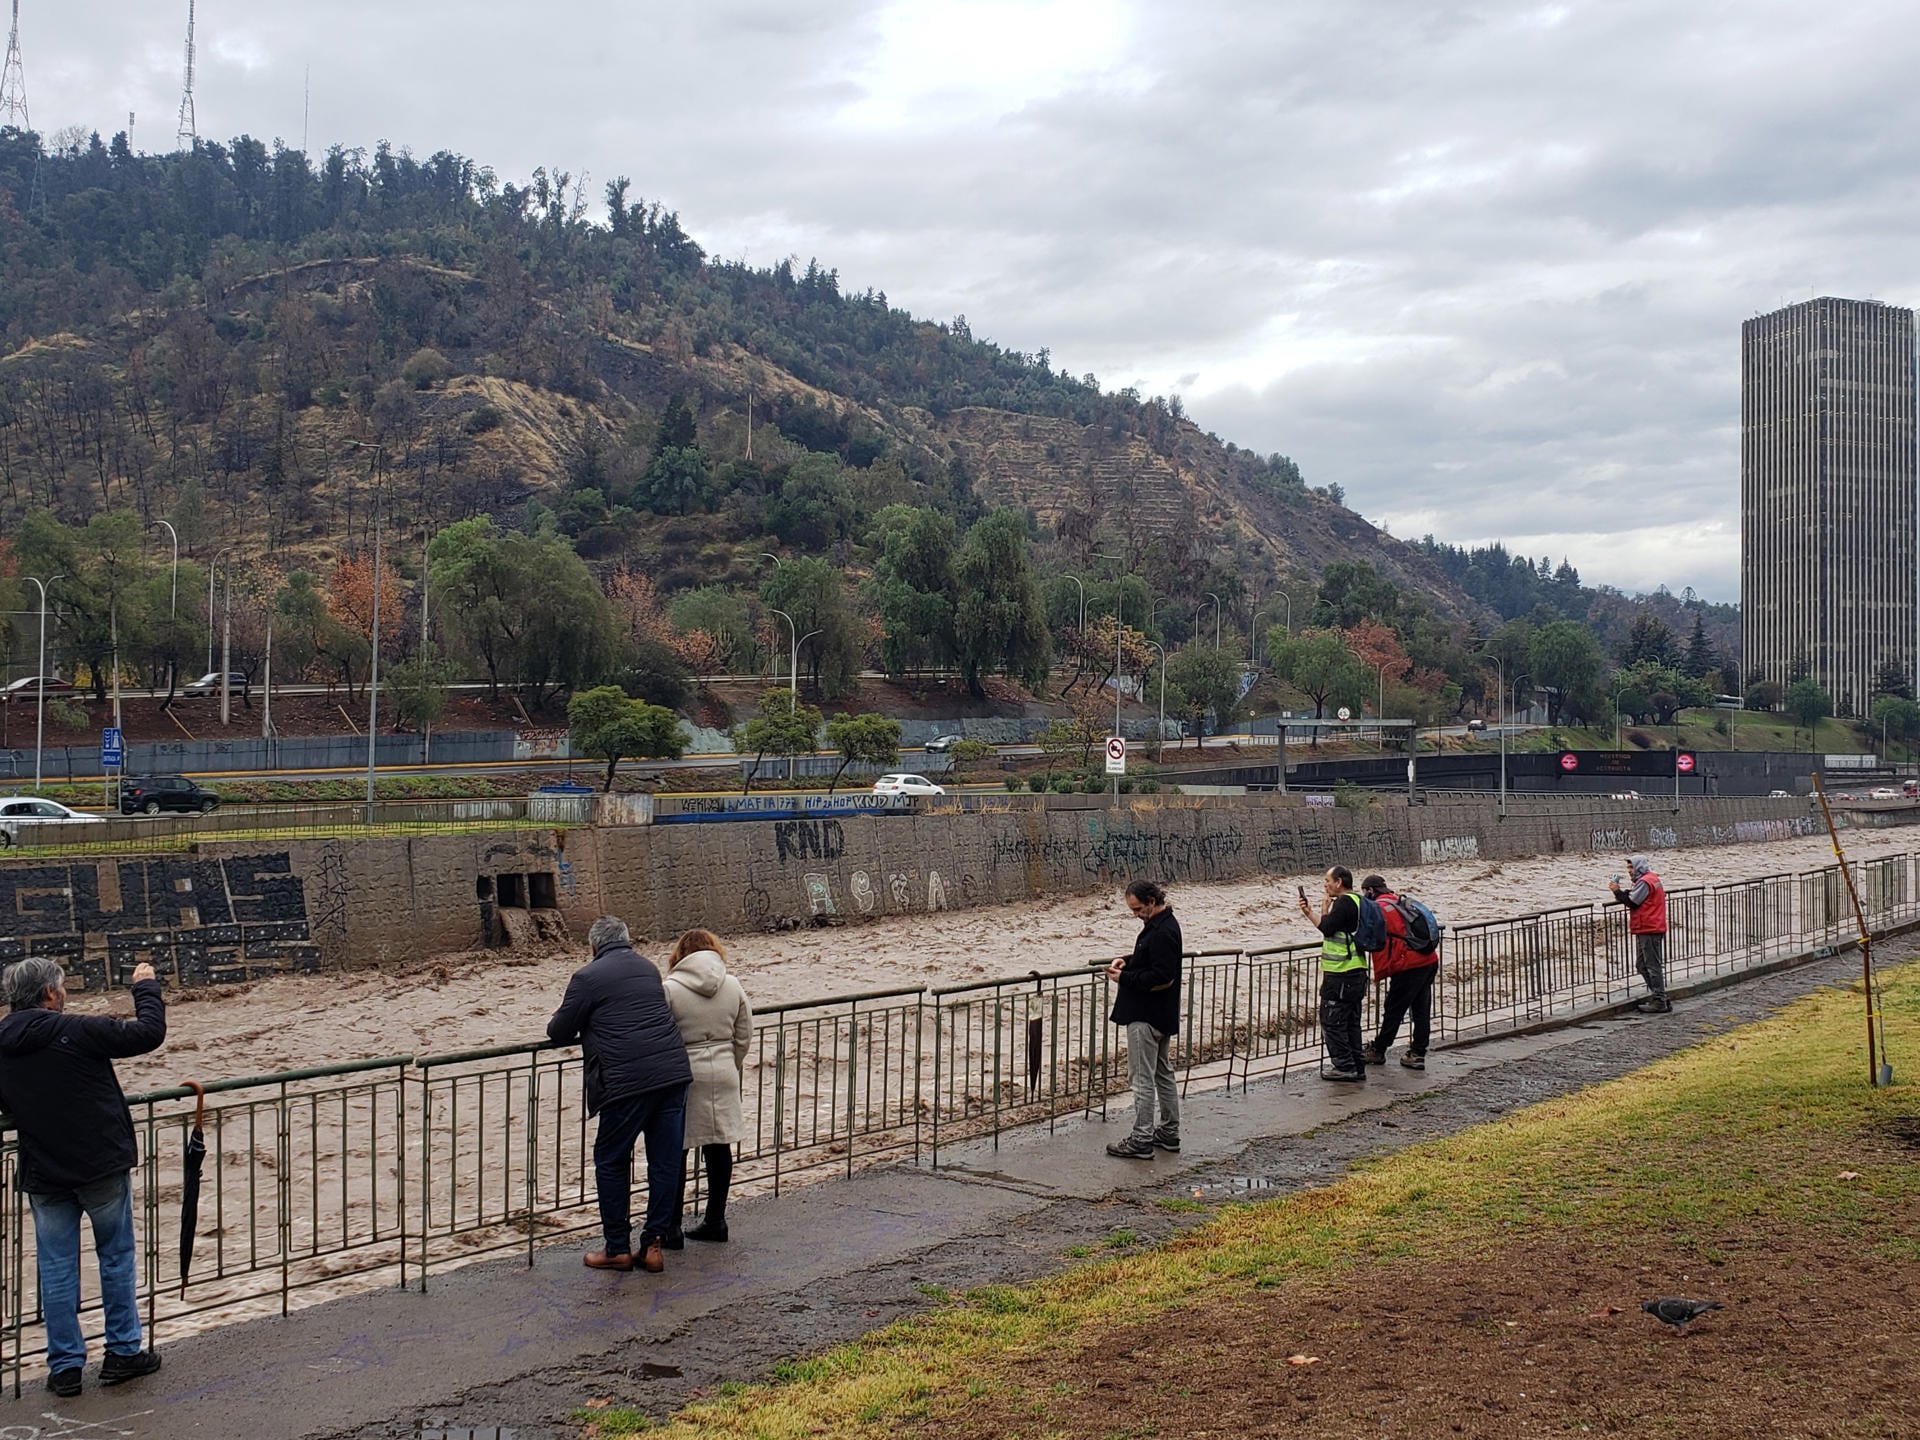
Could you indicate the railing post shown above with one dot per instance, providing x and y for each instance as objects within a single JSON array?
[
  {"x": 853, "y": 1070},
  {"x": 150, "y": 1221},
  {"x": 426, "y": 1175},
  {"x": 400, "y": 1113},
  {"x": 533, "y": 1145},
  {"x": 779, "y": 1098},
  {"x": 939, "y": 1070},
  {"x": 919, "y": 1038},
  {"x": 283, "y": 1192},
  {"x": 993, "y": 1078}
]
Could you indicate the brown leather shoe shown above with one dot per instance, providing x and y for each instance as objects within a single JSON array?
[
  {"x": 601, "y": 1260},
  {"x": 653, "y": 1259}
]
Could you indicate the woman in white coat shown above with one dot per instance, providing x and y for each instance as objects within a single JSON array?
[{"x": 717, "y": 1024}]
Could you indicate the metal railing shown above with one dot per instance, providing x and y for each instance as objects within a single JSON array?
[{"x": 318, "y": 1182}]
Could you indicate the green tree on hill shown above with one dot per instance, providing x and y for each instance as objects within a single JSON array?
[
  {"x": 998, "y": 623},
  {"x": 783, "y": 727},
  {"x": 606, "y": 724},
  {"x": 1319, "y": 664},
  {"x": 1567, "y": 663},
  {"x": 813, "y": 594},
  {"x": 863, "y": 740},
  {"x": 1807, "y": 704}
]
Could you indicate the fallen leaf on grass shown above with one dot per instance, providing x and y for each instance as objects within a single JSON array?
[
  {"x": 1604, "y": 1311},
  {"x": 1303, "y": 1359},
  {"x": 1849, "y": 1174},
  {"x": 598, "y": 1403}
]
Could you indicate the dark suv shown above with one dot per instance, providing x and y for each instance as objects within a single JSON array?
[{"x": 150, "y": 794}]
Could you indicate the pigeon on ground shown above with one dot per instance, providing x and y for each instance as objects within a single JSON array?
[{"x": 1677, "y": 1312}]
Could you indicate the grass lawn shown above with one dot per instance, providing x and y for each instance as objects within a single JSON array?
[{"x": 1486, "y": 1284}]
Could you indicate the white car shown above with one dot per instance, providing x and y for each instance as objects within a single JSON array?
[
  {"x": 940, "y": 744},
  {"x": 906, "y": 786},
  {"x": 20, "y": 814},
  {"x": 1779, "y": 795},
  {"x": 1884, "y": 792}
]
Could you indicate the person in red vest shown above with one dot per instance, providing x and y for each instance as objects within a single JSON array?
[
  {"x": 1410, "y": 988},
  {"x": 1646, "y": 902}
]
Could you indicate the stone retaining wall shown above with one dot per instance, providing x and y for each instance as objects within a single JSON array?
[{"x": 237, "y": 910}]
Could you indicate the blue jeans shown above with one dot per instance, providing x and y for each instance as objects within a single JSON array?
[
  {"x": 108, "y": 1205},
  {"x": 661, "y": 1116}
]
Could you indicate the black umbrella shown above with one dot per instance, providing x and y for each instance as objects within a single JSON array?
[
  {"x": 1036, "y": 1034},
  {"x": 196, "y": 1157}
]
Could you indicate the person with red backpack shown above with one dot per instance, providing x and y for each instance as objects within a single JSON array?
[
  {"x": 1646, "y": 902},
  {"x": 1408, "y": 962}
]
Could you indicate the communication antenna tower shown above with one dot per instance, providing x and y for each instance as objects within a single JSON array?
[
  {"x": 189, "y": 135},
  {"x": 13, "y": 80}
]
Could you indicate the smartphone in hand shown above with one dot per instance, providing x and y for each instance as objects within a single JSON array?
[{"x": 1301, "y": 891}]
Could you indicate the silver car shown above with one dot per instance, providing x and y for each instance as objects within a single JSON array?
[{"x": 23, "y": 816}]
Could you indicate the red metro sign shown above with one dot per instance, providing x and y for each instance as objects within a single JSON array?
[
  {"x": 1683, "y": 762},
  {"x": 1569, "y": 762}
]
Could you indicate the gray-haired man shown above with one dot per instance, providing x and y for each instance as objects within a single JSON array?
[
  {"x": 76, "y": 1147},
  {"x": 637, "y": 1075}
]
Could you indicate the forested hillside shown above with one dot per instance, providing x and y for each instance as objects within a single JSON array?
[{"x": 590, "y": 450}]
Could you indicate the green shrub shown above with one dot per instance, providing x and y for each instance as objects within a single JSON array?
[
  {"x": 1016, "y": 782},
  {"x": 1091, "y": 784},
  {"x": 1062, "y": 785},
  {"x": 1149, "y": 786},
  {"x": 1126, "y": 784}
]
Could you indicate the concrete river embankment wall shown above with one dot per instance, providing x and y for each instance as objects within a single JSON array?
[{"x": 234, "y": 911}]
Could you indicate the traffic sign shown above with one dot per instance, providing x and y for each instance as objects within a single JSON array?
[
  {"x": 1569, "y": 761},
  {"x": 112, "y": 753},
  {"x": 1344, "y": 713},
  {"x": 1683, "y": 762},
  {"x": 1116, "y": 755}
]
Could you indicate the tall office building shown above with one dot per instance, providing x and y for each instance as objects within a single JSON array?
[{"x": 1828, "y": 496}]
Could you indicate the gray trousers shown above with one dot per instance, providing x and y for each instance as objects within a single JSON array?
[
  {"x": 1150, "y": 1069},
  {"x": 1650, "y": 952}
]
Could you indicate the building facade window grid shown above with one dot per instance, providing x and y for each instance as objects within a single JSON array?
[{"x": 1828, "y": 496}]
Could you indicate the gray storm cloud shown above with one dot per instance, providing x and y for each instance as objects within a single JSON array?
[{"x": 1483, "y": 265}]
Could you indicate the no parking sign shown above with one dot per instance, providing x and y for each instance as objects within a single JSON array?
[{"x": 1116, "y": 755}]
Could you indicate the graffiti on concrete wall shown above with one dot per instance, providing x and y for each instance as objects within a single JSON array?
[
  {"x": 197, "y": 921},
  {"x": 1614, "y": 839},
  {"x": 1450, "y": 847}
]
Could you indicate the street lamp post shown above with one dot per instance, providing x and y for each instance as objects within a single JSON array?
[
  {"x": 373, "y": 676},
  {"x": 173, "y": 602},
  {"x": 1618, "y": 691},
  {"x": 793, "y": 665},
  {"x": 212, "y": 567},
  {"x": 40, "y": 675},
  {"x": 1160, "y": 733}
]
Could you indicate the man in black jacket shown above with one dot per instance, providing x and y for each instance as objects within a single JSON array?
[
  {"x": 1147, "y": 1002},
  {"x": 636, "y": 1079},
  {"x": 76, "y": 1149}
]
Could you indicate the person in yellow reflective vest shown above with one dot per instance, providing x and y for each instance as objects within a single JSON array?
[{"x": 1343, "y": 975}]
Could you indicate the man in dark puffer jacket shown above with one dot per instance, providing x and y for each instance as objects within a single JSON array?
[
  {"x": 636, "y": 1081},
  {"x": 76, "y": 1147}
]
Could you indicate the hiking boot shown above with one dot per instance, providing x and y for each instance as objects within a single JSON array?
[
  {"x": 117, "y": 1369},
  {"x": 64, "y": 1383},
  {"x": 1654, "y": 1007},
  {"x": 1168, "y": 1140},
  {"x": 1343, "y": 1077},
  {"x": 1375, "y": 1054},
  {"x": 1413, "y": 1061},
  {"x": 1131, "y": 1148}
]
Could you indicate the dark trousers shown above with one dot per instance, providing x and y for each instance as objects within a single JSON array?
[
  {"x": 1409, "y": 992},
  {"x": 661, "y": 1116},
  {"x": 718, "y": 1160},
  {"x": 1650, "y": 954},
  {"x": 1342, "y": 995}
]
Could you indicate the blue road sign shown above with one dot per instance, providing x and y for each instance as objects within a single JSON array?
[{"x": 112, "y": 752}]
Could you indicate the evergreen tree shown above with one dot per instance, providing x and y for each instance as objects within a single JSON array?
[{"x": 998, "y": 623}]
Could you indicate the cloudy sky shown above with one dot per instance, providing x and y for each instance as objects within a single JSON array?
[{"x": 1482, "y": 264}]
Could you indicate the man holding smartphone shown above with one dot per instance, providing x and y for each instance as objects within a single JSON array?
[
  {"x": 1146, "y": 1003},
  {"x": 1343, "y": 974}
]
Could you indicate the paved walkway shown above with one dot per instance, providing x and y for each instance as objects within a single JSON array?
[{"x": 500, "y": 1352}]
